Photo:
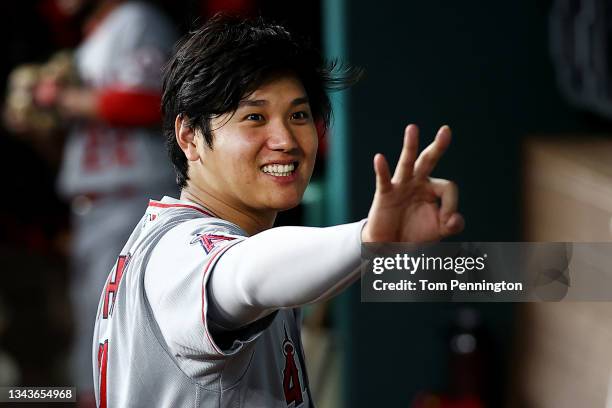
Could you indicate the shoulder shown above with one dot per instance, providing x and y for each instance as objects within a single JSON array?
[
  {"x": 131, "y": 11},
  {"x": 197, "y": 238},
  {"x": 184, "y": 253},
  {"x": 133, "y": 17},
  {"x": 196, "y": 232}
]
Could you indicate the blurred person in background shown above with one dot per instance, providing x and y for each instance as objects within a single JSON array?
[{"x": 113, "y": 157}]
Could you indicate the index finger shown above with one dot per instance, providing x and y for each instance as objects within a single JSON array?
[{"x": 431, "y": 155}]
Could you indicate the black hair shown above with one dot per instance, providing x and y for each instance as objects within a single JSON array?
[{"x": 228, "y": 58}]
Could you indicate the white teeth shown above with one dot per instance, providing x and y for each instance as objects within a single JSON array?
[{"x": 281, "y": 170}]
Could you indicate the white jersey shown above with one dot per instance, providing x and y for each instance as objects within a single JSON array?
[
  {"x": 126, "y": 51},
  {"x": 186, "y": 360}
]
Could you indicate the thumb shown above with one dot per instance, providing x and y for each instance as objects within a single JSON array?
[{"x": 454, "y": 225}]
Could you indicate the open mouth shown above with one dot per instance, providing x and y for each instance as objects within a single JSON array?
[{"x": 280, "y": 170}]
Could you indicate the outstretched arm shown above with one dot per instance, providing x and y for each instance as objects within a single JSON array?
[
  {"x": 282, "y": 267},
  {"x": 293, "y": 266}
]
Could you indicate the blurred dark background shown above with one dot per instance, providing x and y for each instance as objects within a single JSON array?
[{"x": 485, "y": 69}]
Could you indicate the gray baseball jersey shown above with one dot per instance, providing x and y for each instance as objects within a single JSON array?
[
  {"x": 126, "y": 51},
  {"x": 119, "y": 166},
  {"x": 180, "y": 358}
]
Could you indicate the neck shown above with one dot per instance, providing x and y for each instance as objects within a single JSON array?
[{"x": 251, "y": 222}]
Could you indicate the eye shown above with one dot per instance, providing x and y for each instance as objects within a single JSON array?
[
  {"x": 301, "y": 115},
  {"x": 254, "y": 117}
]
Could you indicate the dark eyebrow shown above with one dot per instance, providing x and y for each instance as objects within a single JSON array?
[
  {"x": 252, "y": 102},
  {"x": 262, "y": 102},
  {"x": 299, "y": 101}
]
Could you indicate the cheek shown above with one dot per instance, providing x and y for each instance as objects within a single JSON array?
[
  {"x": 240, "y": 153},
  {"x": 311, "y": 146},
  {"x": 309, "y": 139}
]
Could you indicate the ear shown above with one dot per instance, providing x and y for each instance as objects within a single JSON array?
[{"x": 186, "y": 138}]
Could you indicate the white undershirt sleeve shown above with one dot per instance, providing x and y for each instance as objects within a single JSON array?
[{"x": 283, "y": 267}]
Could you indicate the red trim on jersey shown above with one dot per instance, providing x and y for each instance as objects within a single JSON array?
[
  {"x": 153, "y": 203},
  {"x": 129, "y": 107},
  {"x": 210, "y": 262},
  {"x": 102, "y": 364}
]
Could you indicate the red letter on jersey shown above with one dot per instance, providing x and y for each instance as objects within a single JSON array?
[
  {"x": 91, "y": 156},
  {"x": 113, "y": 285},
  {"x": 291, "y": 378},
  {"x": 102, "y": 360}
]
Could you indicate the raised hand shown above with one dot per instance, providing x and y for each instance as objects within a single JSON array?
[{"x": 411, "y": 206}]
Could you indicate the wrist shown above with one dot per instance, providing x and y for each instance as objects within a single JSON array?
[{"x": 365, "y": 234}]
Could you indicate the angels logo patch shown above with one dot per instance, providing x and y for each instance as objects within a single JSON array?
[
  {"x": 209, "y": 241},
  {"x": 291, "y": 377}
]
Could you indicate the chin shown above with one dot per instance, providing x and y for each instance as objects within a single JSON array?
[
  {"x": 286, "y": 203},
  {"x": 288, "y": 206}
]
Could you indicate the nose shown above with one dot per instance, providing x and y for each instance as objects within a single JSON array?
[{"x": 281, "y": 137}]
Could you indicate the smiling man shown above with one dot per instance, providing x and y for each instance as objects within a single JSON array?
[
  {"x": 202, "y": 306},
  {"x": 262, "y": 155}
]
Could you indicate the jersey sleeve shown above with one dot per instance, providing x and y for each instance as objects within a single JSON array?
[
  {"x": 176, "y": 281},
  {"x": 284, "y": 267}
]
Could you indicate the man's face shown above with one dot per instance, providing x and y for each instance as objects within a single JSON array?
[{"x": 263, "y": 155}]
